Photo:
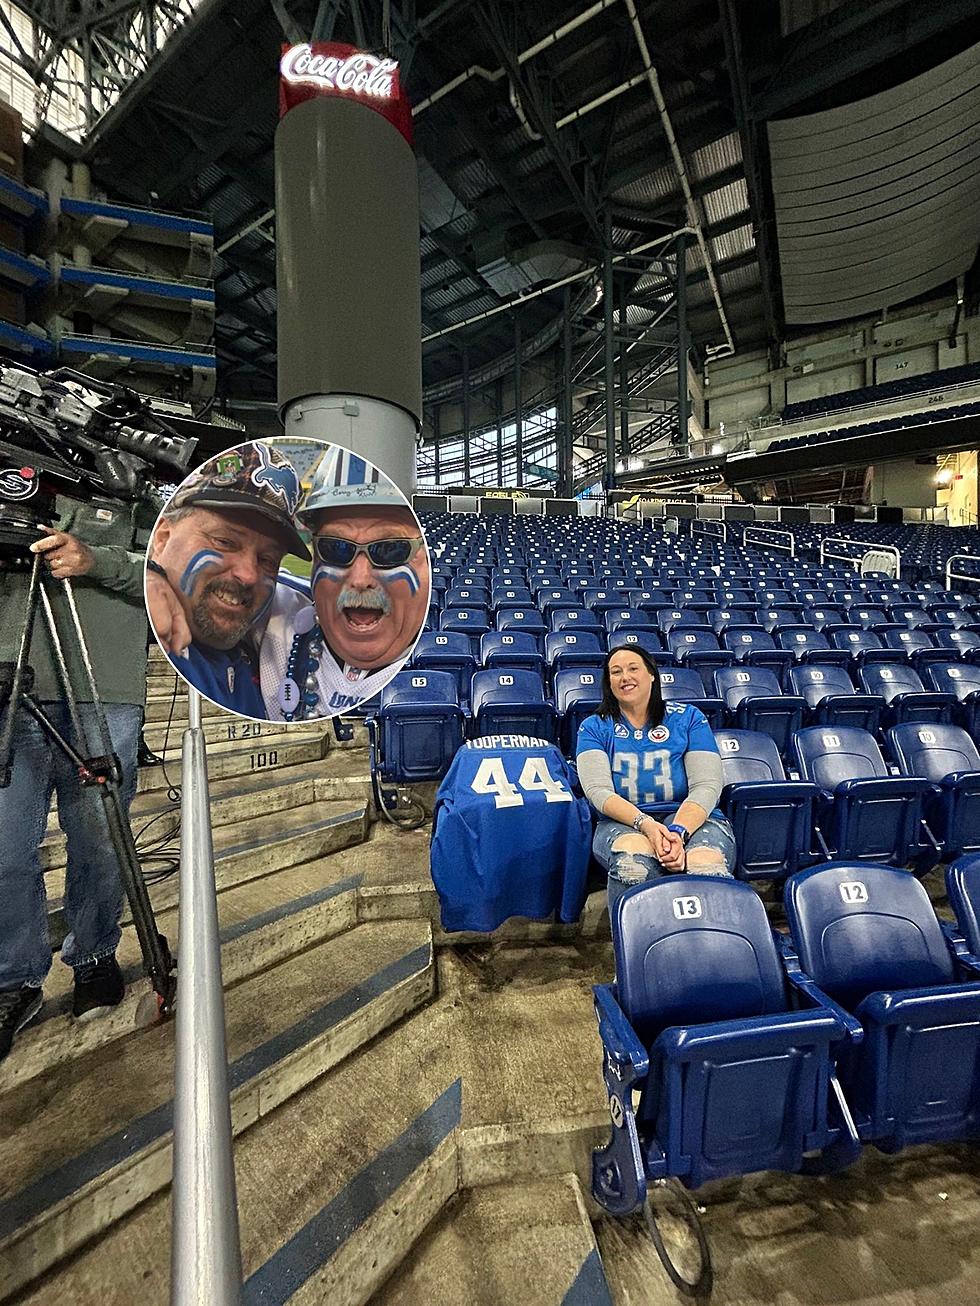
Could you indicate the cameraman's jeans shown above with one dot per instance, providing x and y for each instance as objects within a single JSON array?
[{"x": 93, "y": 896}]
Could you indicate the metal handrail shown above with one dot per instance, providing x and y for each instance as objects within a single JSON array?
[
  {"x": 773, "y": 544},
  {"x": 868, "y": 546},
  {"x": 711, "y": 521},
  {"x": 205, "y": 1259},
  {"x": 960, "y": 557}
]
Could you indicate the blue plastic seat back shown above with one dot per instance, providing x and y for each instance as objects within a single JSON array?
[
  {"x": 799, "y": 640},
  {"x": 691, "y": 949},
  {"x": 960, "y": 679},
  {"x": 565, "y": 642},
  {"x": 932, "y": 751},
  {"x": 649, "y": 640},
  {"x": 911, "y": 616},
  {"x": 511, "y": 596},
  {"x": 511, "y": 702},
  {"x": 814, "y": 682},
  {"x": 574, "y": 619},
  {"x": 511, "y": 648},
  {"x": 617, "y": 618},
  {"x": 735, "y": 684},
  {"x": 680, "y": 685},
  {"x": 420, "y": 724},
  {"x": 957, "y": 640},
  {"x": 577, "y": 685},
  {"x": 467, "y": 596},
  {"x": 747, "y": 640},
  {"x": 520, "y": 619},
  {"x": 819, "y": 616},
  {"x": 908, "y": 641},
  {"x": 888, "y": 679},
  {"x": 829, "y": 754},
  {"x": 669, "y": 619},
  {"x": 465, "y": 620},
  {"x": 963, "y": 890},
  {"x": 862, "y": 614},
  {"x": 856, "y": 641},
  {"x": 749, "y": 756},
  {"x": 685, "y": 641},
  {"x": 860, "y": 928}
]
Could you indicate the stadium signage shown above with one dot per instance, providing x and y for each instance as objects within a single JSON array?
[{"x": 328, "y": 68}]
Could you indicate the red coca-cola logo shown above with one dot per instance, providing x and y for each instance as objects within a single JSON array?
[{"x": 330, "y": 68}]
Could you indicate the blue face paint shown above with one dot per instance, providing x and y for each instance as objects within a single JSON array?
[
  {"x": 322, "y": 572},
  {"x": 402, "y": 573},
  {"x": 205, "y": 558}
]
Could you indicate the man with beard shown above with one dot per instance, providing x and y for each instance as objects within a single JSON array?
[
  {"x": 218, "y": 546},
  {"x": 370, "y": 587}
]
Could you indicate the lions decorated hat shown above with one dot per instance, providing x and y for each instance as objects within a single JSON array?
[
  {"x": 255, "y": 476},
  {"x": 343, "y": 479}
]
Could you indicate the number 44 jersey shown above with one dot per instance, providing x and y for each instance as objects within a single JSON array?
[{"x": 509, "y": 837}]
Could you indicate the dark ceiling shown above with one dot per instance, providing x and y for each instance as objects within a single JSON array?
[{"x": 196, "y": 133}]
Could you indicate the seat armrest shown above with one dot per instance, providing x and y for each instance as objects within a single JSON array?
[
  {"x": 627, "y": 1056},
  {"x": 882, "y": 786},
  {"x": 957, "y": 944},
  {"x": 805, "y": 985},
  {"x": 755, "y": 1036},
  {"x": 956, "y": 1002},
  {"x": 746, "y": 790}
]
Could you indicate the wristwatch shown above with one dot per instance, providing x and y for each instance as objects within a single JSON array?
[
  {"x": 684, "y": 833},
  {"x": 638, "y": 821}
]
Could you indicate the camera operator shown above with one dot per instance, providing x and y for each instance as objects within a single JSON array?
[{"x": 98, "y": 546}]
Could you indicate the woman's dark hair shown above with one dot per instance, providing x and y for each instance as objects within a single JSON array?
[{"x": 609, "y": 707}]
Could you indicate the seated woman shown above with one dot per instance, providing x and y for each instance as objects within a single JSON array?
[{"x": 653, "y": 773}]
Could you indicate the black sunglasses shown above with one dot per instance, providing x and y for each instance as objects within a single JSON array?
[{"x": 383, "y": 554}]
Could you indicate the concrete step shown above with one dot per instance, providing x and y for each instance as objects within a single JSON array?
[
  {"x": 262, "y": 921},
  {"x": 495, "y": 1082},
  {"x": 91, "y": 1141},
  {"x": 236, "y": 757},
  {"x": 506, "y": 1243}
]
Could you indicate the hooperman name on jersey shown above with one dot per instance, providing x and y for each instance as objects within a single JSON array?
[{"x": 507, "y": 741}]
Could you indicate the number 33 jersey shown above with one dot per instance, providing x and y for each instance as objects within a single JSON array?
[
  {"x": 509, "y": 837},
  {"x": 648, "y": 764}
]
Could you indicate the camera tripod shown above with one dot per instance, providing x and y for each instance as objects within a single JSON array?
[{"x": 100, "y": 771}]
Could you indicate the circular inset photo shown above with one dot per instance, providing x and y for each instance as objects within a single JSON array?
[{"x": 287, "y": 580}]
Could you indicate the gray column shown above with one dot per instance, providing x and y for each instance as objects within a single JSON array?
[
  {"x": 466, "y": 415},
  {"x": 609, "y": 341},
  {"x": 565, "y": 457},
  {"x": 499, "y": 398},
  {"x": 518, "y": 401},
  {"x": 624, "y": 375},
  {"x": 347, "y": 247},
  {"x": 683, "y": 408},
  {"x": 436, "y": 432}
]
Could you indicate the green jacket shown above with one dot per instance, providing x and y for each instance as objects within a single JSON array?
[{"x": 110, "y": 605}]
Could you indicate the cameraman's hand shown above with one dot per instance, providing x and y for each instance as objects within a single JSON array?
[
  {"x": 167, "y": 616},
  {"x": 65, "y": 556}
]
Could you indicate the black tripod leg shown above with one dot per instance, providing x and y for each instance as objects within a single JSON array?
[
  {"x": 21, "y": 681},
  {"x": 157, "y": 960}
]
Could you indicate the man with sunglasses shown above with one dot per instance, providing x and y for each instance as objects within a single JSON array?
[{"x": 370, "y": 588}]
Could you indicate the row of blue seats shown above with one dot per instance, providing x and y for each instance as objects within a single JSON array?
[
  {"x": 905, "y": 385},
  {"x": 768, "y": 1051}
]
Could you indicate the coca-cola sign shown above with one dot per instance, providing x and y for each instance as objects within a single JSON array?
[{"x": 332, "y": 69}]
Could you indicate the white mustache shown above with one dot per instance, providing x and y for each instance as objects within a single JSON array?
[{"x": 374, "y": 598}]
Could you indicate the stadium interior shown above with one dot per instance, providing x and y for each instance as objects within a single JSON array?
[{"x": 700, "y": 341}]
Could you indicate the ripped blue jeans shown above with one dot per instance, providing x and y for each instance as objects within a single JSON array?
[{"x": 626, "y": 869}]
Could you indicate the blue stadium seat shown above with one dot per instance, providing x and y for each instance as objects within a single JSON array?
[
  {"x": 910, "y": 615},
  {"x": 863, "y": 813},
  {"x": 506, "y": 648},
  {"x": 735, "y": 1071},
  {"x": 947, "y": 757},
  {"x": 958, "y": 640},
  {"x": 448, "y": 651},
  {"x": 963, "y": 681},
  {"x": 529, "y": 620},
  {"x": 649, "y": 640},
  {"x": 830, "y": 697},
  {"x": 574, "y": 619},
  {"x": 569, "y": 648},
  {"x": 467, "y": 596},
  {"x": 698, "y": 648},
  {"x": 821, "y": 617},
  {"x": 808, "y": 645},
  {"x": 683, "y": 685},
  {"x": 730, "y": 618},
  {"x": 903, "y": 692},
  {"x": 757, "y": 648},
  {"x": 861, "y": 645},
  {"x": 776, "y": 619},
  {"x": 471, "y": 622},
  {"x": 755, "y": 702},
  {"x": 511, "y": 596},
  {"x": 669, "y": 619},
  {"x": 772, "y": 817},
  {"x": 867, "y": 936},
  {"x": 547, "y": 600},
  {"x": 628, "y": 619},
  {"x": 576, "y": 695},
  {"x": 418, "y": 728},
  {"x": 861, "y": 614},
  {"x": 511, "y": 703},
  {"x": 963, "y": 891}
]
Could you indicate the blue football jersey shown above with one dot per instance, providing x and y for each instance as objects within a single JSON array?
[
  {"x": 509, "y": 837},
  {"x": 648, "y": 764},
  {"x": 229, "y": 679}
]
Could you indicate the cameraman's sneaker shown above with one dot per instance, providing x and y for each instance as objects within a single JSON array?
[
  {"x": 17, "y": 1007},
  {"x": 98, "y": 986}
]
